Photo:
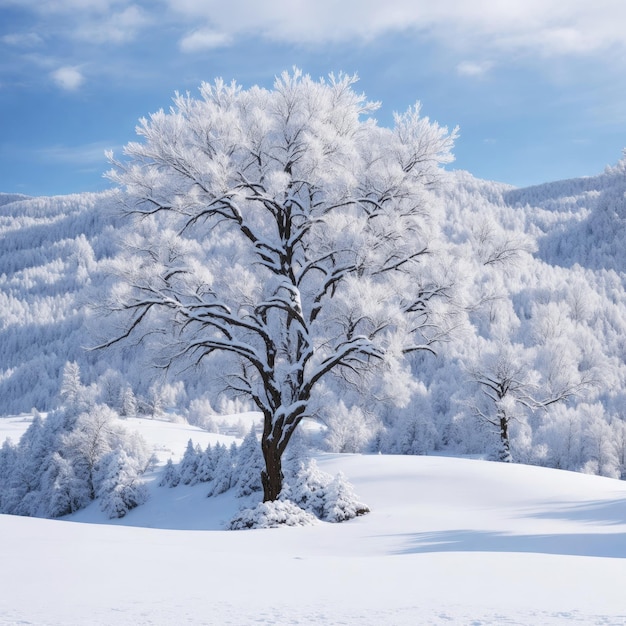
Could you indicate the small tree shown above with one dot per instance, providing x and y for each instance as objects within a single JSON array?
[
  {"x": 511, "y": 385},
  {"x": 120, "y": 487},
  {"x": 286, "y": 233},
  {"x": 128, "y": 402},
  {"x": 72, "y": 391},
  {"x": 189, "y": 464},
  {"x": 249, "y": 465}
]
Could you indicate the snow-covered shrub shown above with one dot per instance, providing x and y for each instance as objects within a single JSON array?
[
  {"x": 412, "y": 433},
  {"x": 341, "y": 502},
  {"x": 329, "y": 499},
  {"x": 272, "y": 515},
  {"x": 307, "y": 487}
]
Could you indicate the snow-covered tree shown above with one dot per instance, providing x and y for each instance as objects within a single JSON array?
[
  {"x": 128, "y": 402},
  {"x": 223, "y": 475},
  {"x": 205, "y": 470},
  {"x": 171, "y": 475},
  {"x": 349, "y": 429},
  {"x": 188, "y": 470},
  {"x": 62, "y": 491},
  {"x": 286, "y": 233},
  {"x": 72, "y": 392},
  {"x": 249, "y": 465},
  {"x": 59, "y": 464},
  {"x": 511, "y": 382},
  {"x": 96, "y": 434},
  {"x": 119, "y": 486},
  {"x": 341, "y": 502}
]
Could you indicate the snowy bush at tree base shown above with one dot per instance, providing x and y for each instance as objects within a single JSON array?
[
  {"x": 315, "y": 496},
  {"x": 272, "y": 515},
  {"x": 329, "y": 499},
  {"x": 306, "y": 487}
]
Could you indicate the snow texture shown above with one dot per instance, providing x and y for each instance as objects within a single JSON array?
[{"x": 449, "y": 541}]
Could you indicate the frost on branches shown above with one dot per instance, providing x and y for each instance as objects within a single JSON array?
[{"x": 287, "y": 235}]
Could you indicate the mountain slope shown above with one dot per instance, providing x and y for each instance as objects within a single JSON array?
[{"x": 540, "y": 271}]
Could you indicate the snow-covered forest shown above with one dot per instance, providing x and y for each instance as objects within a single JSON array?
[
  {"x": 544, "y": 266},
  {"x": 529, "y": 363}
]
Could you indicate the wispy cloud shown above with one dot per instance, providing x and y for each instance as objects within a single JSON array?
[
  {"x": 96, "y": 21},
  {"x": 117, "y": 27},
  {"x": 204, "y": 39},
  {"x": 474, "y": 69},
  {"x": 68, "y": 78},
  {"x": 22, "y": 40},
  {"x": 86, "y": 154},
  {"x": 66, "y": 6},
  {"x": 536, "y": 27}
]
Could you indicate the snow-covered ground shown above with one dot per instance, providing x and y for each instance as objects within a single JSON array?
[{"x": 449, "y": 541}]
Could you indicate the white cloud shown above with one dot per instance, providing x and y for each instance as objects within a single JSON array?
[
  {"x": 96, "y": 21},
  {"x": 49, "y": 7},
  {"x": 473, "y": 69},
  {"x": 116, "y": 27},
  {"x": 69, "y": 78},
  {"x": 204, "y": 39},
  {"x": 536, "y": 27},
  {"x": 533, "y": 27},
  {"x": 22, "y": 40}
]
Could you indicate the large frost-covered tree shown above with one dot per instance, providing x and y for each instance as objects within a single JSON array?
[{"x": 287, "y": 234}]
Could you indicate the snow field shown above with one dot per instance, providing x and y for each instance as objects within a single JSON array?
[{"x": 448, "y": 541}]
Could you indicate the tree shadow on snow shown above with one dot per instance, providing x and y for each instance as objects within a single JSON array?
[
  {"x": 599, "y": 512},
  {"x": 611, "y": 545}
]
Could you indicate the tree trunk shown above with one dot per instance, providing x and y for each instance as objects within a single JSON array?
[
  {"x": 272, "y": 475},
  {"x": 505, "y": 447}
]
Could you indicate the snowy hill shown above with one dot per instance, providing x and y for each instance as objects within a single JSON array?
[
  {"x": 448, "y": 541},
  {"x": 592, "y": 228}
]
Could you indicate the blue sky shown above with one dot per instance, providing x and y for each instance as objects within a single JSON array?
[{"x": 537, "y": 87}]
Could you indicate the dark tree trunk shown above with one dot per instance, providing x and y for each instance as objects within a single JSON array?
[
  {"x": 272, "y": 475},
  {"x": 505, "y": 447}
]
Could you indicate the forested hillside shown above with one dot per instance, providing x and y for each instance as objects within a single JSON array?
[
  {"x": 48, "y": 267},
  {"x": 533, "y": 370}
]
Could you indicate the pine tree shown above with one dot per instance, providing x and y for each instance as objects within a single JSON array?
[
  {"x": 249, "y": 465},
  {"x": 189, "y": 464}
]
